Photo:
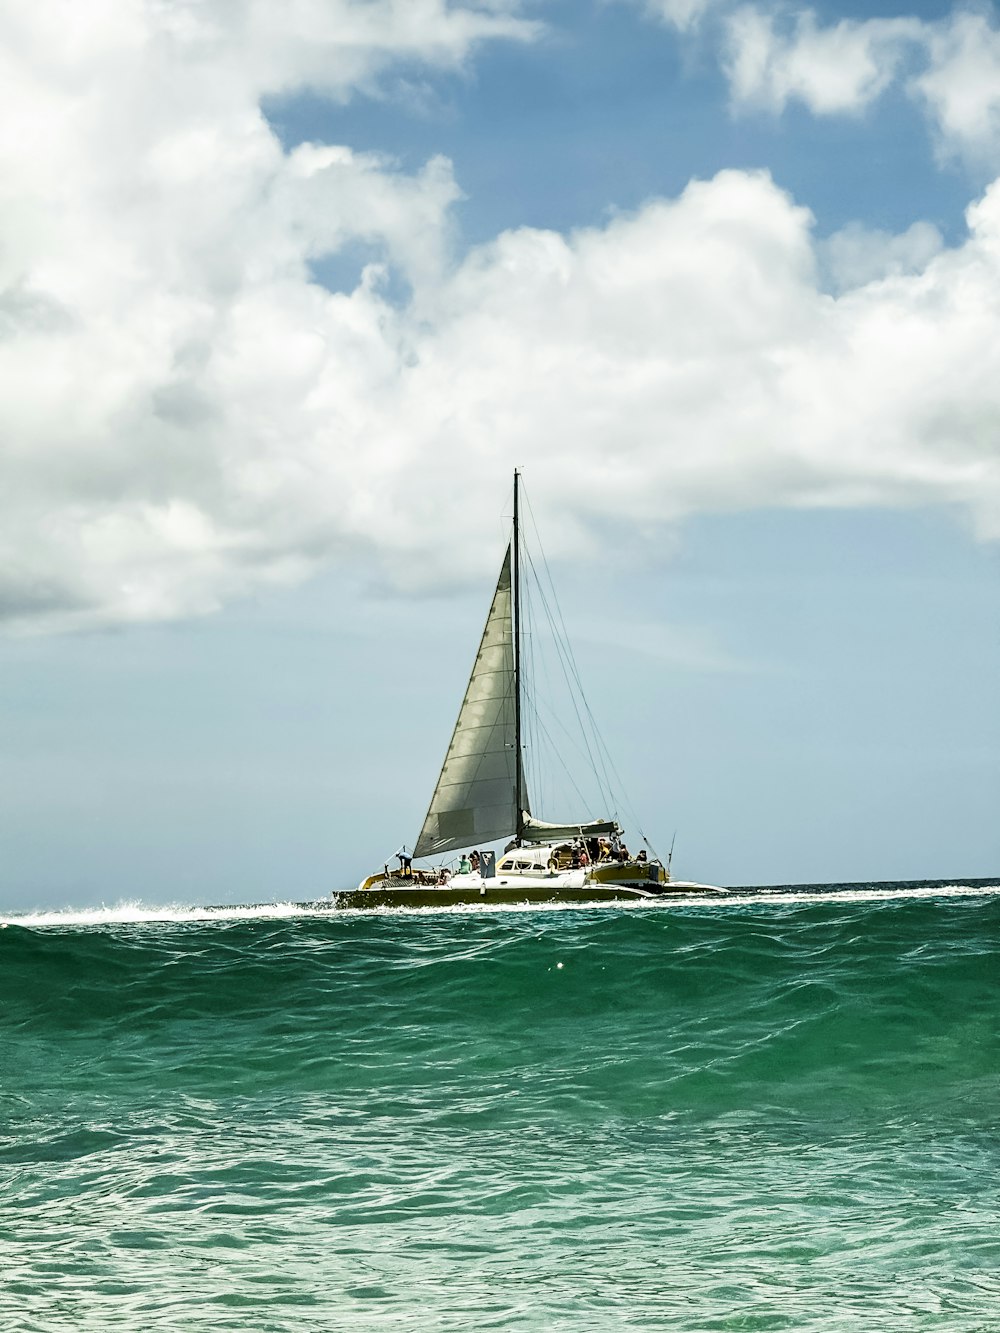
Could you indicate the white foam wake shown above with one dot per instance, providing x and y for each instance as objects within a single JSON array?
[{"x": 129, "y": 913}]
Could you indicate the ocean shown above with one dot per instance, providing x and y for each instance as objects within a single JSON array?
[{"x": 776, "y": 1111}]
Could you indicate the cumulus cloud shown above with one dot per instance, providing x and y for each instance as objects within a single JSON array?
[
  {"x": 171, "y": 377},
  {"x": 771, "y": 59},
  {"x": 961, "y": 86},
  {"x": 187, "y": 415},
  {"x": 857, "y": 255},
  {"x": 776, "y": 54},
  {"x": 686, "y": 359}
]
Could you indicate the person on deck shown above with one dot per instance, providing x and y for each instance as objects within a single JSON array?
[{"x": 464, "y": 865}]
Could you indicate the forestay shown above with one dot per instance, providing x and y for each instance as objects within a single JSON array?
[{"x": 475, "y": 801}]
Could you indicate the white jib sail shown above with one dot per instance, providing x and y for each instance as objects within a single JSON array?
[{"x": 474, "y": 801}]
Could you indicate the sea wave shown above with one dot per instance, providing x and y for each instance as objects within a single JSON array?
[{"x": 775, "y": 1110}]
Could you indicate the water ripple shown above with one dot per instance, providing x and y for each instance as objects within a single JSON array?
[{"x": 751, "y": 1115}]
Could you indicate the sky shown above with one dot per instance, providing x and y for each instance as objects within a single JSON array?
[{"x": 288, "y": 291}]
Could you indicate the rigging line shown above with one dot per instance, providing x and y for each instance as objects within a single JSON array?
[
  {"x": 564, "y": 645},
  {"x": 605, "y": 753},
  {"x": 540, "y": 703},
  {"x": 554, "y": 720},
  {"x": 608, "y": 810},
  {"x": 634, "y": 816},
  {"x": 591, "y": 759},
  {"x": 584, "y": 733},
  {"x": 534, "y": 691},
  {"x": 572, "y": 677},
  {"x": 570, "y": 667},
  {"x": 572, "y": 781},
  {"x": 532, "y": 701},
  {"x": 543, "y": 787},
  {"x": 629, "y": 808}
]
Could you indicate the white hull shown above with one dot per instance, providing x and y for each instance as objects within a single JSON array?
[
  {"x": 570, "y": 879},
  {"x": 566, "y": 879}
]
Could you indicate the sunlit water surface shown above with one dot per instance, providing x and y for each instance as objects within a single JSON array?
[{"x": 779, "y": 1111}]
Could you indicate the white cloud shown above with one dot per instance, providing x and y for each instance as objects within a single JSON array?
[
  {"x": 857, "y": 255},
  {"x": 951, "y": 67},
  {"x": 779, "y": 53},
  {"x": 685, "y": 359},
  {"x": 840, "y": 68},
  {"x": 186, "y": 415},
  {"x": 682, "y": 14},
  {"x": 961, "y": 86},
  {"x": 165, "y": 360}
]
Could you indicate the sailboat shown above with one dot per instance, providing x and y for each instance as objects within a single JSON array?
[{"x": 481, "y": 797}]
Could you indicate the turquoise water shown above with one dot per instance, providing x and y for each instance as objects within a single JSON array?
[{"x": 780, "y": 1112}]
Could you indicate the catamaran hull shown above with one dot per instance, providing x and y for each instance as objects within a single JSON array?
[
  {"x": 395, "y": 891},
  {"x": 515, "y": 895}
]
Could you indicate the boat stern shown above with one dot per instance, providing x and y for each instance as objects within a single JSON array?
[{"x": 649, "y": 874}]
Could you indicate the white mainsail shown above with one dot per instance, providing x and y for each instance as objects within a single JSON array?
[{"x": 475, "y": 800}]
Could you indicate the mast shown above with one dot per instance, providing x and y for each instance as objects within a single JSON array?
[{"x": 516, "y": 543}]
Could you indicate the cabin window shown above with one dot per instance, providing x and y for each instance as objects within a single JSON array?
[
  {"x": 523, "y": 865},
  {"x": 506, "y": 864}
]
